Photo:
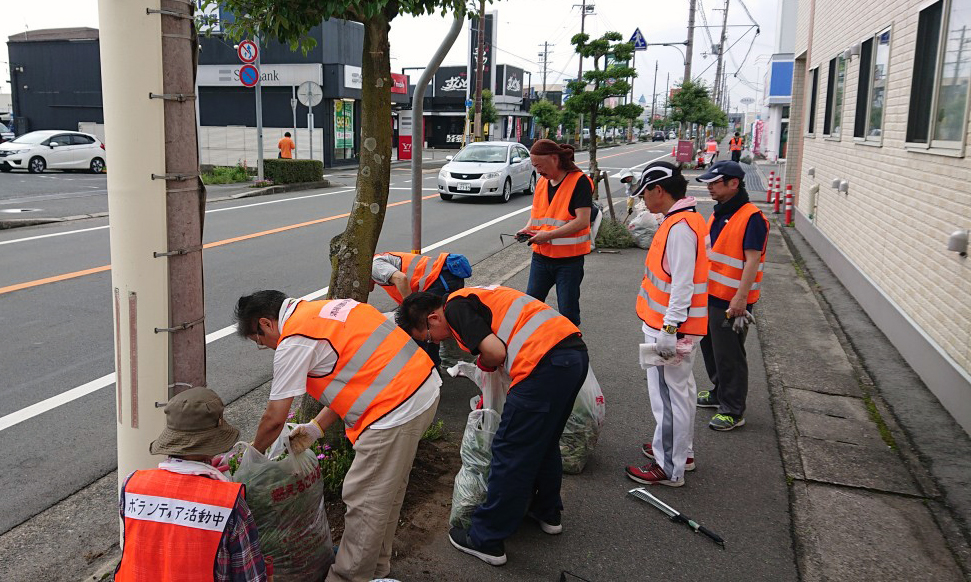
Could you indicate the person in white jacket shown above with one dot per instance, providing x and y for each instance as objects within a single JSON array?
[{"x": 672, "y": 304}]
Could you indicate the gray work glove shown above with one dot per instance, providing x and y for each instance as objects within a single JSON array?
[
  {"x": 741, "y": 323},
  {"x": 666, "y": 344}
]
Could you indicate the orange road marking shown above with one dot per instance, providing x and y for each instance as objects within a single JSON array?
[{"x": 102, "y": 269}]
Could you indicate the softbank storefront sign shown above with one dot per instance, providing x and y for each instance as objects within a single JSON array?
[{"x": 270, "y": 75}]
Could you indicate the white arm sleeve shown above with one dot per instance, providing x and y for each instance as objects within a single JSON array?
[{"x": 680, "y": 254}]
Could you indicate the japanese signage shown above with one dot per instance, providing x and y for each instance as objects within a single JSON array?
[
  {"x": 343, "y": 124},
  {"x": 176, "y": 512},
  {"x": 488, "y": 45},
  {"x": 509, "y": 81},
  {"x": 399, "y": 83},
  {"x": 451, "y": 83},
  {"x": 352, "y": 77},
  {"x": 404, "y": 135},
  {"x": 270, "y": 75}
]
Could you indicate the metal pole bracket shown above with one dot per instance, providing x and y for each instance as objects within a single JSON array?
[
  {"x": 180, "y": 97},
  {"x": 180, "y": 327},
  {"x": 178, "y": 252},
  {"x": 181, "y": 177}
]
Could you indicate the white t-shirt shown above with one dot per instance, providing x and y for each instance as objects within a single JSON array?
[
  {"x": 383, "y": 266},
  {"x": 297, "y": 357}
]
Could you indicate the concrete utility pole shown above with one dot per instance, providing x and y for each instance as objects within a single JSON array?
[
  {"x": 583, "y": 21},
  {"x": 667, "y": 95},
  {"x": 418, "y": 126},
  {"x": 130, "y": 34},
  {"x": 689, "y": 45},
  {"x": 654, "y": 95},
  {"x": 477, "y": 129},
  {"x": 721, "y": 57},
  {"x": 546, "y": 57}
]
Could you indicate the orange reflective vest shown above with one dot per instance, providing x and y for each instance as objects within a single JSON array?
[
  {"x": 420, "y": 271},
  {"x": 528, "y": 327},
  {"x": 655, "y": 294},
  {"x": 378, "y": 365},
  {"x": 713, "y": 147},
  {"x": 550, "y": 216},
  {"x": 728, "y": 258},
  {"x": 173, "y": 525},
  {"x": 735, "y": 144}
]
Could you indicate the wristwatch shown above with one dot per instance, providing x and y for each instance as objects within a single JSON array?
[{"x": 671, "y": 329}]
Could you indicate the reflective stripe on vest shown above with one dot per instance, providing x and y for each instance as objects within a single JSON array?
[
  {"x": 528, "y": 327},
  {"x": 735, "y": 144},
  {"x": 420, "y": 272},
  {"x": 173, "y": 525},
  {"x": 378, "y": 365},
  {"x": 654, "y": 296},
  {"x": 548, "y": 215},
  {"x": 712, "y": 147},
  {"x": 728, "y": 257}
]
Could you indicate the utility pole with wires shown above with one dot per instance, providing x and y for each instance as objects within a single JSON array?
[
  {"x": 545, "y": 56},
  {"x": 654, "y": 96},
  {"x": 689, "y": 44},
  {"x": 477, "y": 129},
  {"x": 719, "y": 70},
  {"x": 584, "y": 10}
]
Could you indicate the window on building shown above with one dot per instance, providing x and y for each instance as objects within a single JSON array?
[
  {"x": 872, "y": 89},
  {"x": 942, "y": 75},
  {"x": 828, "y": 110},
  {"x": 834, "y": 97},
  {"x": 814, "y": 87}
]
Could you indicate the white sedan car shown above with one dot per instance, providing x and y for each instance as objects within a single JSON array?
[
  {"x": 51, "y": 149},
  {"x": 493, "y": 168}
]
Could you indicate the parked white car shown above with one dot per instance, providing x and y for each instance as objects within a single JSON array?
[
  {"x": 494, "y": 168},
  {"x": 55, "y": 150}
]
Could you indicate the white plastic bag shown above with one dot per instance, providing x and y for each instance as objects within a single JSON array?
[
  {"x": 286, "y": 495},
  {"x": 642, "y": 227},
  {"x": 595, "y": 225},
  {"x": 469, "y": 490},
  {"x": 582, "y": 429}
]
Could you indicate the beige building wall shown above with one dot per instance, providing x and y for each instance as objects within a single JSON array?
[{"x": 894, "y": 222}]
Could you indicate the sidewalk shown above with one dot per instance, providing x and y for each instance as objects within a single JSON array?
[{"x": 820, "y": 484}]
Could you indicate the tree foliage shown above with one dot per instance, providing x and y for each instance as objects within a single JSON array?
[
  {"x": 489, "y": 112},
  {"x": 608, "y": 78},
  {"x": 546, "y": 115},
  {"x": 692, "y": 104}
]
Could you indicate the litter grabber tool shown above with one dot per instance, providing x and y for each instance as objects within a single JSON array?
[
  {"x": 519, "y": 236},
  {"x": 644, "y": 495}
]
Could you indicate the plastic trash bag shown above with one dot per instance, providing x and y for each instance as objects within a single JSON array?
[
  {"x": 583, "y": 427},
  {"x": 642, "y": 227},
  {"x": 596, "y": 218},
  {"x": 650, "y": 358},
  {"x": 471, "y": 482},
  {"x": 286, "y": 495}
]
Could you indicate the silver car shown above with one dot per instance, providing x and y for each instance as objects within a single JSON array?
[{"x": 495, "y": 168}]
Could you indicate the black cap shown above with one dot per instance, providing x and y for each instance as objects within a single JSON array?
[
  {"x": 653, "y": 174},
  {"x": 723, "y": 169}
]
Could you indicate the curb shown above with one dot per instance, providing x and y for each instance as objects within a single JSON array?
[{"x": 9, "y": 223}]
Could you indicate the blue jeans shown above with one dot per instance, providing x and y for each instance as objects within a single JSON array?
[
  {"x": 566, "y": 274},
  {"x": 527, "y": 470}
]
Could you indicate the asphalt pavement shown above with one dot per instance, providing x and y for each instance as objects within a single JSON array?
[{"x": 55, "y": 298}]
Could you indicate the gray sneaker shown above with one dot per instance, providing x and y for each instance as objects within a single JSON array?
[
  {"x": 707, "y": 400},
  {"x": 725, "y": 422}
]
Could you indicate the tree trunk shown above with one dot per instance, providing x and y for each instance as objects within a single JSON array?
[
  {"x": 185, "y": 199},
  {"x": 352, "y": 250},
  {"x": 592, "y": 148}
]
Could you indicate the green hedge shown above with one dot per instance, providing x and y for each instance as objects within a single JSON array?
[{"x": 282, "y": 171}]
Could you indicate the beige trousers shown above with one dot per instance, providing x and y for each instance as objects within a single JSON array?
[{"x": 374, "y": 489}]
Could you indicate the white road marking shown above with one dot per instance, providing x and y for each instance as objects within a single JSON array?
[{"x": 24, "y": 414}]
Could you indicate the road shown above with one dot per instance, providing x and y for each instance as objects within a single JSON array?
[{"x": 55, "y": 309}]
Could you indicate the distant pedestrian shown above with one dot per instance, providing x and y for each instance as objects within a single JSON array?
[
  {"x": 286, "y": 146},
  {"x": 739, "y": 233},
  {"x": 673, "y": 305},
  {"x": 559, "y": 225},
  {"x": 547, "y": 363},
  {"x": 165, "y": 544},
  {"x": 735, "y": 146}
]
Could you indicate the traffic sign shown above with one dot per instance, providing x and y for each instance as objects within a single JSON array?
[
  {"x": 638, "y": 39},
  {"x": 468, "y": 103},
  {"x": 247, "y": 51},
  {"x": 249, "y": 75},
  {"x": 747, "y": 100}
]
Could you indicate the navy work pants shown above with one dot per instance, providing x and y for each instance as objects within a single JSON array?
[
  {"x": 566, "y": 274},
  {"x": 527, "y": 470}
]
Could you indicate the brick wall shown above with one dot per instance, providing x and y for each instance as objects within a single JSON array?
[{"x": 902, "y": 205}]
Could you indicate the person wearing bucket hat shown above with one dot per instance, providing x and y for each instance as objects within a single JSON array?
[
  {"x": 672, "y": 303},
  {"x": 739, "y": 232},
  {"x": 367, "y": 373},
  {"x": 185, "y": 519}
]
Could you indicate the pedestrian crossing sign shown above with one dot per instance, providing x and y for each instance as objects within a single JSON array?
[{"x": 638, "y": 39}]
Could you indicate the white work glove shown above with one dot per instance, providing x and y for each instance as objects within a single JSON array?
[
  {"x": 666, "y": 344},
  {"x": 741, "y": 323},
  {"x": 304, "y": 435}
]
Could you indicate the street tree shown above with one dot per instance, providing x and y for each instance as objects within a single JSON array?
[
  {"x": 291, "y": 22},
  {"x": 607, "y": 79},
  {"x": 489, "y": 112},
  {"x": 546, "y": 115},
  {"x": 692, "y": 104},
  {"x": 569, "y": 119}
]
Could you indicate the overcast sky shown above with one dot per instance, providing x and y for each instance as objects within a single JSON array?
[{"x": 523, "y": 26}]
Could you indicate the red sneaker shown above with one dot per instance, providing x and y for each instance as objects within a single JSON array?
[
  {"x": 648, "y": 450},
  {"x": 651, "y": 474}
]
